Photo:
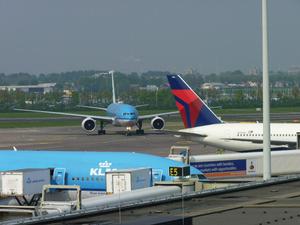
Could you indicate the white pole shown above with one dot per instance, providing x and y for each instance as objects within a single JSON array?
[
  {"x": 113, "y": 86},
  {"x": 156, "y": 93},
  {"x": 266, "y": 98}
]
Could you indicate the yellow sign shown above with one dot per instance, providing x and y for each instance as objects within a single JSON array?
[{"x": 179, "y": 171}]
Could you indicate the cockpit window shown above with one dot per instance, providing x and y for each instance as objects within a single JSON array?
[{"x": 127, "y": 114}]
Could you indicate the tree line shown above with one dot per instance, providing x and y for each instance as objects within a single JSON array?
[{"x": 92, "y": 88}]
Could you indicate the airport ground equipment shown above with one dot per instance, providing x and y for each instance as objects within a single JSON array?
[
  {"x": 139, "y": 195},
  {"x": 128, "y": 179},
  {"x": 186, "y": 185},
  {"x": 243, "y": 164},
  {"x": 110, "y": 200},
  {"x": 24, "y": 181},
  {"x": 59, "y": 206},
  {"x": 18, "y": 209},
  {"x": 24, "y": 185},
  {"x": 180, "y": 153}
]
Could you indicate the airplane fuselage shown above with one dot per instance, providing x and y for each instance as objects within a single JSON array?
[
  {"x": 124, "y": 115},
  {"x": 87, "y": 169},
  {"x": 242, "y": 136}
]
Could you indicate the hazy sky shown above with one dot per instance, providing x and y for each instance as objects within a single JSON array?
[{"x": 41, "y": 36}]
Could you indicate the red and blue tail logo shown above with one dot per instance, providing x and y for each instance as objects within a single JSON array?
[{"x": 194, "y": 112}]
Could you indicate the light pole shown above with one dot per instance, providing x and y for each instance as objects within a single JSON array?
[
  {"x": 156, "y": 93},
  {"x": 113, "y": 85},
  {"x": 266, "y": 97}
]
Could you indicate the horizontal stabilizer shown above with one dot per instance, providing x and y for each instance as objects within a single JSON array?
[
  {"x": 91, "y": 107},
  {"x": 139, "y": 106}
]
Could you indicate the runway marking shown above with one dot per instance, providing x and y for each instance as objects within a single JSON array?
[
  {"x": 28, "y": 144},
  {"x": 273, "y": 206}
]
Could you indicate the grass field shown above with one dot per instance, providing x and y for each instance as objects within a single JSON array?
[
  {"x": 27, "y": 124},
  {"x": 75, "y": 122},
  {"x": 253, "y": 110}
]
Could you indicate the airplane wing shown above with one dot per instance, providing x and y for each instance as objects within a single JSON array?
[
  {"x": 183, "y": 134},
  {"x": 105, "y": 118},
  {"x": 259, "y": 141},
  {"x": 150, "y": 116},
  {"x": 91, "y": 107}
]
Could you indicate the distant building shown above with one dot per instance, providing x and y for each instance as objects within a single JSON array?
[
  {"x": 254, "y": 71},
  {"x": 68, "y": 93},
  {"x": 191, "y": 71},
  {"x": 134, "y": 86},
  {"x": 40, "y": 88},
  {"x": 294, "y": 70},
  {"x": 208, "y": 86},
  {"x": 149, "y": 88},
  {"x": 279, "y": 84},
  {"x": 67, "y": 96},
  {"x": 252, "y": 84}
]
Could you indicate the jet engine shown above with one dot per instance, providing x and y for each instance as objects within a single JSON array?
[
  {"x": 88, "y": 124},
  {"x": 157, "y": 123}
]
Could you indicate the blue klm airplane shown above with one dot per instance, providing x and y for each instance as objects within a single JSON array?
[
  {"x": 119, "y": 114},
  {"x": 87, "y": 169}
]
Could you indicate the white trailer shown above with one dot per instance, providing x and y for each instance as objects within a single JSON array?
[
  {"x": 24, "y": 182},
  {"x": 242, "y": 164},
  {"x": 128, "y": 179}
]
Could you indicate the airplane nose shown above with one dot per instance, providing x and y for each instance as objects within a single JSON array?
[{"x": 133, "y": 120}]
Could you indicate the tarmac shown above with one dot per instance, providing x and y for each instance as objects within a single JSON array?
[
  {"x": 276, "y": 204},
  {"x": 74, "y": 138}
]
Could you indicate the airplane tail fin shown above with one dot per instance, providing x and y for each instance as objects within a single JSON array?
[{"x": 193, "y": 110}]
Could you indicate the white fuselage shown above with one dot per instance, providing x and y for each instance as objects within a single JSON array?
[{"x": 224, "y": 135}]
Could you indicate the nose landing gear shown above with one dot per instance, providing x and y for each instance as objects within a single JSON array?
[{"x": 128, "y": 129}]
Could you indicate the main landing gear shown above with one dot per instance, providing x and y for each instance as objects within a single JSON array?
[
  {"x": 101, "y": 131},
  {"x": 139, "y": 125}
]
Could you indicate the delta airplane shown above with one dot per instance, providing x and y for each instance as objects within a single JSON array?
[
  {"x": 87, "y": 169},
  {"x": 202, "y": 125},
  {"x": 119, "y": 114}
]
